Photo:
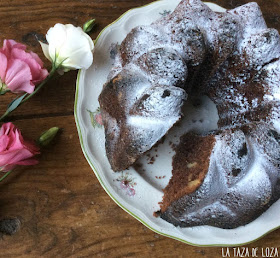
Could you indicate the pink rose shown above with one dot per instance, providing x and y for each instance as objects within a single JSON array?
[
  {"x": 20, "y": 71},
  {"x": 14, "y": 150}
]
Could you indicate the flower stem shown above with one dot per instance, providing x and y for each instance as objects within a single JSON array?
[
  {"x": 40, "y": 85},
  {"x": 3, "y": 177},
  {"x": 53, "y": 70}
]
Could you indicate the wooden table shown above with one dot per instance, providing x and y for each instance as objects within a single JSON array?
[{"x": 58, "y": 207}]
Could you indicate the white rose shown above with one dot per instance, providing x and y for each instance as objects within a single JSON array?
[{"x": 69, "y": 47}]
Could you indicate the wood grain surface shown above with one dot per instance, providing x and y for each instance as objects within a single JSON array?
[{"x": 58, "y": 208}]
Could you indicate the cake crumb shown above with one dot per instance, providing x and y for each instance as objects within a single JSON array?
[
  {"x": 160, "y": 177},
  {"x": 152, "y": 160},
  {"x": 172, "y": 145},
  {"x": 156, "y": 214}
]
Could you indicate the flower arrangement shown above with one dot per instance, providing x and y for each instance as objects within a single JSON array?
[{"x": 22, "y": 73}]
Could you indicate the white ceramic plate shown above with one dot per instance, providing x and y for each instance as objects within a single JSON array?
[{"x": 138, "y": 192}]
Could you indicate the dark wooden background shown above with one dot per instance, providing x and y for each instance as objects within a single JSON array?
[{"x": 58, "y": 208}]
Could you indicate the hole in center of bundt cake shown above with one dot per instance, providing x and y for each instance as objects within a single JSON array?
[{"x": 200, "y": 116}]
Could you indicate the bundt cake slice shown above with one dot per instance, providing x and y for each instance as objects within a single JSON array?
[
  {"x": 242, "y": 178},
  {"x": 190, "y": 166}
]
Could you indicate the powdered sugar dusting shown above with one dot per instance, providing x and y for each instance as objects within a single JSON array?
[{"x": 251, "y": 18}]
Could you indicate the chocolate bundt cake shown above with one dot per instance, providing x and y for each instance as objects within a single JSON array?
[{"x": 228, "y": 177}]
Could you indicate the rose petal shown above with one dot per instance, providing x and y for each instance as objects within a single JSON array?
[
  {"x": 56, "y": 37},
  {"x": 43, "y": 75},
  {"x": 79, "y": 52},
  {"x": 3, "y": 66},
  {"x": 14, "y": 150},
  {"x": 45, "y": 49},
  {"x": 6, "y": 128},
  {"x": 38, "y": 74},
  {"x": 36, "y": 58},
  {"x": 8, "y": 44},
  {"x": 28, "y": 59},
  {"x": 17, "y": 142},
  {"x": 15, "y": 156},
  {"x": 4, "y": 141},
  {"x": 18, "y": 76}
]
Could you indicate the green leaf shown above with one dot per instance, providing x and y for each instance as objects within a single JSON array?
[
  {"x": 15, "y": 103},
  {"x": 92, "y": 120}
]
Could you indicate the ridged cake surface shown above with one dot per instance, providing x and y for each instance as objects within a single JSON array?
[{"x": 231, "y": 57}]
